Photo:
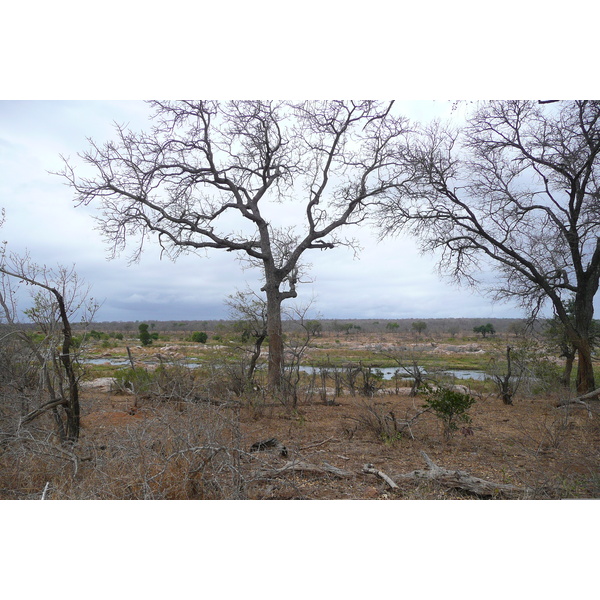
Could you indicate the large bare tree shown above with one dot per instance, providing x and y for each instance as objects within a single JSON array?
[
  {"x": 517, "y": 188},
  {"x": 217, "y": 175}
]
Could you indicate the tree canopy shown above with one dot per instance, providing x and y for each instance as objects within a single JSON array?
[
  {"x": 213, "y": 175},
  {"x": 516, "y": 188}
]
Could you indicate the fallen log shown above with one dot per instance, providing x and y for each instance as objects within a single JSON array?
[
  {"x": 305, "y": 467},
  {"x": 595, "y": 394},
  {"x": 461, "y": 480},
  {"x": 369, "y": 468},
  {"x": 579, "y": 401},
  {"x": 575, "y": 403}
]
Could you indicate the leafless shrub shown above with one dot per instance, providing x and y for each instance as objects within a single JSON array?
[
  {"x": 167, "y": 454},
  {"x": 545, "y": 435},
  {"x": 384, "y": 423}
]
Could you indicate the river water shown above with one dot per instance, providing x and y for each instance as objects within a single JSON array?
[{"x": 388, "y": 372}]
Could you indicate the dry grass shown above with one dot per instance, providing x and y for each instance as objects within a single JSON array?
[{"x": 174, "y": 450}]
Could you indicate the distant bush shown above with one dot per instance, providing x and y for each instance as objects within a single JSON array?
[
  {"x": 419, "y": 326},
  {"x": 199, "y": 337},
  {"x": 98, "y": 335},
  {"x": 485, "y": 329},
  {"x": 145, "y": 336}
]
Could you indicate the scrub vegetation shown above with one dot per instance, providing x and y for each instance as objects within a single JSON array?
[{"x": 179, "y": 419}]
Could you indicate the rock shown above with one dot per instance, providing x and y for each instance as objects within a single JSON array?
[
  {"x": 461, "y": 389},
  {"x": 102, "y": 384}
]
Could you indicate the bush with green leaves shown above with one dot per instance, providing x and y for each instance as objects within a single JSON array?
[
  {"x": 137, "y": 380},
  {"x": 199, "y": 337},
  {"x": 450, "y": 406},
  {"x": 98, "y": 335},
  {"x": 485, "y": 329},
  {"x": 145, "y": 335}
]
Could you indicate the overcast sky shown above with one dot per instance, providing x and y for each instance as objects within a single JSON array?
[
  {"x": 126, "y": 51},
  {"x": 390, "y": 279}
]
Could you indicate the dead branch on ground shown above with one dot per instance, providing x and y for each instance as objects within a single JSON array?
[
  {"x": 579, "y": 401},
  {"x": 369, "y": 468},
  {"x": 460, "y": 480},
  {"x": 305, "y": 467}
]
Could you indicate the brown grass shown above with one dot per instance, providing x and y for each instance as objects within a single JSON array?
[{"x": 168, "y": 450}]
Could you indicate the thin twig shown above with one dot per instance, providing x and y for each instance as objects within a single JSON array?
[
  {"x": 331, "y": 439},
  {"x": 45, "y": 492}
]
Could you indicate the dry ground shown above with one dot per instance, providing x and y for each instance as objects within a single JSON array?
[{"x": 553, "y": 452}]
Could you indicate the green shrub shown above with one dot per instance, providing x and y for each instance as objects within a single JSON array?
[
  {"x": 145, "y": 336},
  {"x": 450, "y": 407},
  {"x": 76, "y": 341},
  {"x": 136, "y": 380},
  {"x": 199, "y": 336},
  {"x": 98, "y": 335}
]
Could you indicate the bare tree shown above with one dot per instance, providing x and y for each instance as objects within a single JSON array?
[
  {"x": 250, "y": 311},
  {"x": 517, "y": 187},
  {"x": 60, "y": 295},
  {"x": 213, "y": 174},
  {"x": 296, "y": 346}
]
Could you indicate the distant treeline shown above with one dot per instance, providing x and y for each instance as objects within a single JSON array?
[{"x": 351, "y": 326}]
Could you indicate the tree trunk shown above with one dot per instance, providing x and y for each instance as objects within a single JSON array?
[
  {"x": 507, "y": 392},
  {"x": 255, "y": 356},
  {"x": 580, "y": 338},
  {"x": 72, "y": 408},
  {"x": 275, "y": 334},
  {"x": 585, "y": 368},
  {"x": 569, "y": 359}
]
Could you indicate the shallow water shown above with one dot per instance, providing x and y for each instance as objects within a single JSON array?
[{"x": 388, "y": 372}]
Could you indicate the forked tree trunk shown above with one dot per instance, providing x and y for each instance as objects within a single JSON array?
[{"x": 255, "y": 356}]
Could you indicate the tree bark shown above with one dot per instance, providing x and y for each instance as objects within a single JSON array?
[
  {"x": 585, "y": 369},
  {"x": 566, "y": 376},
  {"x": 275, "y": 335},
  {"x": 507, "y": 393},
  {"x": 72, "y": 406}
]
